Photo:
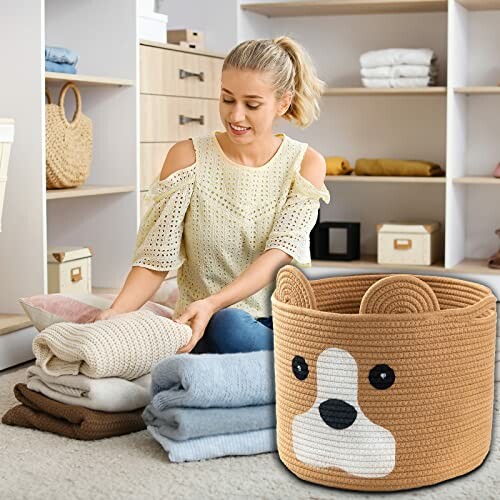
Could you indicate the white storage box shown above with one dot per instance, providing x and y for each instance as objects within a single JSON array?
[
  {"x": 153, "y": 27},
  {"x": 69, "y": 270},
  {"x": 6, "y": 139},
  {"x": 409, "y": 243},
  {"x": 146, "y": 7}
]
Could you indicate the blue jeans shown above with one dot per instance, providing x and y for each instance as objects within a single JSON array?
[{"x": 234, "y": 330}]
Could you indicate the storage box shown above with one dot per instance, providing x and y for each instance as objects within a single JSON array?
[
  {"x": 69, "y": 270},
  {"x": 6, "y": 139},
  {"x": 409, "y": 243},
  {"x": 153, "y": 27},
  {"x": 184, "y": 35},
  {"x": 146, "y": 7}
]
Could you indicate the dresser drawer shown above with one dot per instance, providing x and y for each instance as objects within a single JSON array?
[
  {"x": 153, "y": 155},
  {"x": 170, "y": 72},
  {"x": 161, "y": 118}
]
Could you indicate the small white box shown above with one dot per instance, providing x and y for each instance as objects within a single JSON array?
[
  {"x": 146, "y": 7},
  {"x": 409, "y": 243},
  {"x": 6, "y": 140},
  {"x": 153, "y": 27},
  {"x": 69, "y": 270}
]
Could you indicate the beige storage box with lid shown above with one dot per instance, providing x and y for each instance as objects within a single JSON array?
[
  {"x": 69, "y": 270},
  {"x": 409, "y": 243},
  {"x": 6, "y": 139}
]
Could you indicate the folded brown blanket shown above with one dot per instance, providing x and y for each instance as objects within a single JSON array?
[
  {"x": 388, "y": 166},
  {"x": 40, "y": 412}
]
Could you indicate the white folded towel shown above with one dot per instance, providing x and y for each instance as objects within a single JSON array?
[
  {"x": 401, "y": 70},
  {"x": 393, "y": 57},
  {"x": 109, "y": 394},
  {"x": 388, "y": 83}
]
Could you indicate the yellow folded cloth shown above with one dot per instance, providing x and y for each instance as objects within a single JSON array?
[
  {"x": 387, "y": 166},
  {"x": 337, "y": 165}
]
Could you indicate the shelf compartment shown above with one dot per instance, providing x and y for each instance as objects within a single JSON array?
[
  {"x": 491, "y": 90},
  {"x": 477, "y": 180},
  {"x": 385, "y": 178},
  {"x": 13, "y": 322},
  {"x": 480, "y": 4},
  {"x": 474, "y": 266},
  {"x": 88, "y": 80},
  {"x": 87, "y": 190},
  {"x": 364, "y": 91},
  {"x": 370, "y": 261},
  {"x": 344, "y": 7}
]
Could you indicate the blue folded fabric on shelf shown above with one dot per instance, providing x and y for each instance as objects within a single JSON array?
[
  {"x": 61, "y": 55},
  {"x": 214, "y": 380},
  {"x": 244, "y": 443},
  {"x": 60, "y": 67},
  {"x": 182, "y": 424}
]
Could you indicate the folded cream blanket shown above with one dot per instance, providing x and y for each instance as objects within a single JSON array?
[
  {"x": 398, "y": 83},
  {"x": 111, "y": 394},
  {"x": 392, "y": 57},
  {"x": 126, "y": 346},
  {"x": 400, "y": 70}
]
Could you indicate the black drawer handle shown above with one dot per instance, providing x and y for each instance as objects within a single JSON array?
[
  {"x": 186, "y": 74},
  {"x": 183, "y": 119}
]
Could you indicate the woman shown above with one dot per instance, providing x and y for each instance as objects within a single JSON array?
[{"x": 231, "y": 208}]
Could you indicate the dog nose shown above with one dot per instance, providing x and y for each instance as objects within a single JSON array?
[{"x": 337, "y": 413}]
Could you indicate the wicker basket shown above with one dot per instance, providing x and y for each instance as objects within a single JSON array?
[
  {"x": 6, "y": 139},
  {"x": 383, "y": 382},
  {"x": 69, "y": 144}
]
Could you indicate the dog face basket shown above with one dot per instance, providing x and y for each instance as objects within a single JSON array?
[{"x": 383, "y": 382}]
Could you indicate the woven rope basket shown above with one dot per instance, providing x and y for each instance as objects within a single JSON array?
[
  {"x": 383, "y": 382},
  {"x": 68, "y": 144}
]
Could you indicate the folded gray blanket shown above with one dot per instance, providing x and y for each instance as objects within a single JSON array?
[
  {"x": 214, "y": 380},
  {"x": 188, "y": 423}
]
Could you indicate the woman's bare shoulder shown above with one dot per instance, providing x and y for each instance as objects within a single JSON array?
[
  {"x": 180, "y": 155},
  {"x": 313, "y": 167}
]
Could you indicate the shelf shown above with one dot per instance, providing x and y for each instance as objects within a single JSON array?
[
  {"x": 86, "y": 190},
  {"x": 362, "y": 91},
  {"x": 370, "y": 261},
  {"x": 474, "y": 266},
  {"x": 12, "y": 322},
  {"x": 477, "y": 180},
  {"x": 173, "y": 46},
  {"x": 480, "y": 4},
  {"x": 385, "y": 178},
  {"x": 478, "y": 90},
  {"x": 87, "y": 80},
  {"x": 344, "y": 7}
]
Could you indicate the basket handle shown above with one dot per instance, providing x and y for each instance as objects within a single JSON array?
[
  {"x": 62, "y": 95},
  {"x": 293, "y": 288},
  {"x": 47, "y": 95}
]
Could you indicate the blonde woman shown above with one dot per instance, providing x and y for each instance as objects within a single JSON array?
[{"x": 232, "y": 207}]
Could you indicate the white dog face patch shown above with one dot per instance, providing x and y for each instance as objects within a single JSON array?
[{"x": 335, "y": 432}]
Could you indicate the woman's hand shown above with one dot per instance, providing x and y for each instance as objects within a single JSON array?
[
  {"x": 197, "y": 314},
  {"x": 106, "y": 314}
]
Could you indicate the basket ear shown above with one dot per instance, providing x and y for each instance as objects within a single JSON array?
[
  {"x": 399, "y": 294},
  {"x": 293, "y": 288}
]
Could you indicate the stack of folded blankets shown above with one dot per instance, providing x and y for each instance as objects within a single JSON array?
[
  {"x": 92, "y": 381},
  {"x": 213, "y": 405},
  {"x": 60, "y": 60},
  {"x": 399, "y": 68},
  {"x": 397, "y": 167}
]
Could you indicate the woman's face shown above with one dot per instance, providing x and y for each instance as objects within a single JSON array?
[{"x": 248, "y": 101}]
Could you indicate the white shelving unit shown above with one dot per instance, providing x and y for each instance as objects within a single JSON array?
[
  {"x": 453, "y": 124},
  {"x": 103, "y": 213}
]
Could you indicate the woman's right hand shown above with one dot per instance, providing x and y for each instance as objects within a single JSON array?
[{"x": 106, "y": 314}]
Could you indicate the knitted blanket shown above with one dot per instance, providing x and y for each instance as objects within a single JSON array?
[
  {"x": 188, "y": 423},
  {"x": 213, "y": 380},
  {"x": 111, "y": 394},
  {"x": 39, "y": 412},
  {"x": 243, "y": 443},
  {"x": 126, "y": 346}
]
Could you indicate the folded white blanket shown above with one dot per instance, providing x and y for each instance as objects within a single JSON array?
[
  {"x": 126, "y": 346},
  {"x": 401, "y": 70},
  {"x": 393, "y": 57},
  {"x": 109, "y": 394},
  {"x": 386, "y": 83}
]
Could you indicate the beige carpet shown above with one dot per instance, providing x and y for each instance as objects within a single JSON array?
[{"x": 36, "y": 464}]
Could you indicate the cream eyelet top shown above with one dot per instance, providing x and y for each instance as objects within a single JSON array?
[{"x": 211, "y": 220}]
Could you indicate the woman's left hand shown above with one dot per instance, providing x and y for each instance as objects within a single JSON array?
[{"x": 197, "y": 314}]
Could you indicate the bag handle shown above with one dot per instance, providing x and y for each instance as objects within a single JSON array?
[
  {"x": 78, "y": 110},
  {"x": 47, "y": 95}
]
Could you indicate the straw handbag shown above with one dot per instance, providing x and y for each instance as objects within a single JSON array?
[
  {"x": 68, "y": 144},
  {"x": 383, "y": 382}
]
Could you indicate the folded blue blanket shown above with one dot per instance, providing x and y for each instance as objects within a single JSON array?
[
  {"x": 244, "y": 443},
  {"x": 188, "y": 423},
  {"x": 213, "y": 380},
  {"x": 59, "y": 67},
  {"x": 61, "y": 55}
]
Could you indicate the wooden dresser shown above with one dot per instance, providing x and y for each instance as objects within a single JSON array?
[{"x": 180, "y": 91}]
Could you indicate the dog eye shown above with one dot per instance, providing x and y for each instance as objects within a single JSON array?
[
  {"x": 382, "y": 376},
  {"x": 300, "y": 368}
]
